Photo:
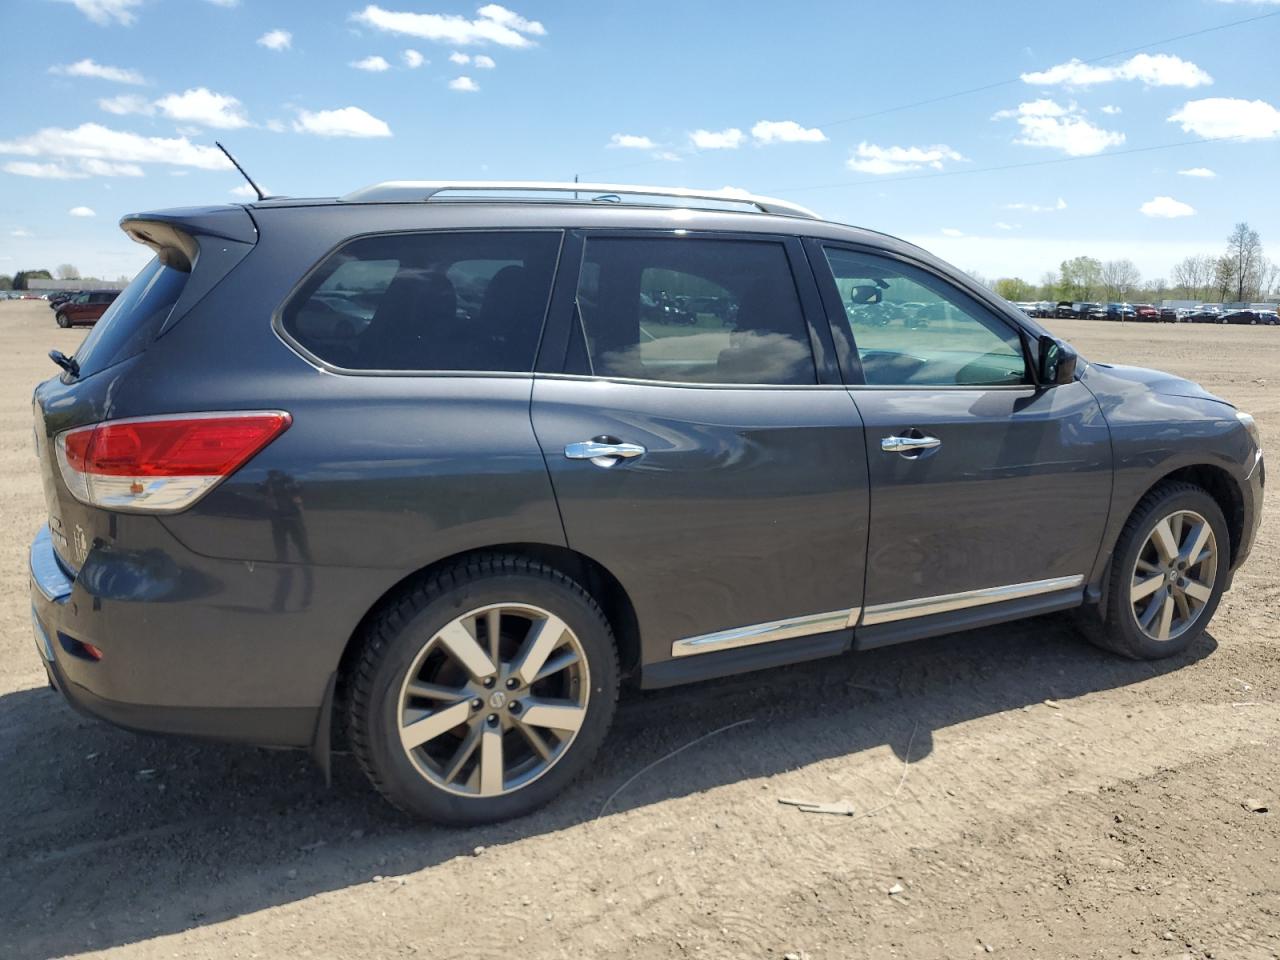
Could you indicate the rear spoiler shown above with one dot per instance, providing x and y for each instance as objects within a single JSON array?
[{"x": 174, "y": 234}]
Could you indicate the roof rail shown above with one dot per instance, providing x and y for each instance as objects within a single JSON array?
[{"x": 417, "y": 191}]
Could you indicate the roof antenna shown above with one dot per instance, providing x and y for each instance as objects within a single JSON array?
[{"x": 235, "y": 163}]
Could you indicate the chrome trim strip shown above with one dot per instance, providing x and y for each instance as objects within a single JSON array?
[
  {"x": 766, "y": 632},
  {"x": 927, "y": 606}
]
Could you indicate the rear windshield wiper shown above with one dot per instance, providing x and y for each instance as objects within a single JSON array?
[{"x": 66, "y": 363}]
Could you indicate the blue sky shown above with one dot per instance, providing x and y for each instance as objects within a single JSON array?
[{"x": 112, "y": 106}]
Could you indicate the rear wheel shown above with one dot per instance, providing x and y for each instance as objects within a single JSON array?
[
  {"x": 483, "y": 692},
  {"x": 1167, "y": 574}
]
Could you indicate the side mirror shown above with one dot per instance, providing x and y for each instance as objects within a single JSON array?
[{"x": 1057, "y": 364}]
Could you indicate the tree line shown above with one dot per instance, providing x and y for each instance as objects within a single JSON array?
[
  {"x": 1240, "y": 274},
  {"x": 65, "y": 271}
]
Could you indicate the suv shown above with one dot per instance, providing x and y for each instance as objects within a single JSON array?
[
  {"x": 84, "y": 307},
  {"x": 1121, "y": 312},
  {"x": 418, "y": 468}
]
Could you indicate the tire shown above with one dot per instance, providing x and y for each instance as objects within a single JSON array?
[
  {"x": 1118, "y": 628},
  {"x": 413, "y": 640},
  {"x": 63, "y": 321}
]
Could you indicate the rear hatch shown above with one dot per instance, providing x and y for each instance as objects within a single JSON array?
[{"x": 194, "y": 250}]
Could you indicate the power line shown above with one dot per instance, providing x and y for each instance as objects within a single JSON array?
[
  {"x": 1018, "y": 79},
  {"x": 1006, "y": 166},
  {"x": 993, "y": 86}
]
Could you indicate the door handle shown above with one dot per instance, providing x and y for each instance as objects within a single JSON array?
[
  {"x": 603, "y": 452},
  {"x": 909, "y": 445}
]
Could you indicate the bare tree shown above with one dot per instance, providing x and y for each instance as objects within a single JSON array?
[
  {"x": 67, "y": 271},
  {"x": 1224, "y": 277},
  {"x": 1049, "y": 285},
  {"x": 1193, "y": 276},
  {"x": 1120, "y": 277},
  {"x": 1244, "y": 251}
]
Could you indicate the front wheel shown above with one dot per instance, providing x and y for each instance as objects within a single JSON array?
[
  {"x": 1167, "y": 574},
  {"x": 63, "y": 321},
  {"x": 483, "y": 691}
]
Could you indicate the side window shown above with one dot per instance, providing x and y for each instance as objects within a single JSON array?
[
  {"x": 693, "y": 310},
  {"x": 428, "y": 302},
  {"x": 913, "y": 329}
]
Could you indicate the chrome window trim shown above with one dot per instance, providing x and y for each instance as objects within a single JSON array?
[
  {"x": 947, "y": 602},
  {"x": 766, "y": 632}
]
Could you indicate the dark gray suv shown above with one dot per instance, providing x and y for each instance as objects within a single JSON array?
[{"x": 434, "y": 467}]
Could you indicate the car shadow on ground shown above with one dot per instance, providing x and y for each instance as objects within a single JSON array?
[{"x": 110, "y": 838}]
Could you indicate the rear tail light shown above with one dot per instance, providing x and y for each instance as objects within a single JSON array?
[{"x": 161, "y": 464}]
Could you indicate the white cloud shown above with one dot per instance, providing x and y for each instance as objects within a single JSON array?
[
  {"x": 413, "y": 59},
  {"x": 668, "y": 155},
  {"x": 276, "y": 40},
  {"x": 44, "y": 171},
  {"x": 344, "y": 122},
  {"x": 204, "y": 107},
  {"x": 461, "y": 59},
  {"x": 1111, "y": 110},
  {"x": 1203, "y": 172},
  {"x": 464, "y": 84},
  {"x": 481, "y": 62},
  {"x": 1166, "y": 208},
  {"x": 107, "y": 168},
  {"x": 82, "y": 212},
  {"x": 729, "y": 139},
  {"x": 103, "y": 12},
  {"x": 872, "y": 158},
  {"x": 20, "y": 232},
  {"x": 1228, "y": 117},
  {"x": 92, "y": 141},
  {"x": 786, "y": 131},
  {"x": 224, "y": 3},
  {"x": 275, "y": 126},
  {"x": 629, "y": 141},
  {"x": 1046, "y": 123},
  {"x": 374, "y": 64},
  {"x": 98, "y": 71},
  {"x": 1037, "y": 208},
  {"x": 244, "y": 190},
  {"x": 126, "y": 103},
  {"x": 1001, "y": 225},
  {"x": 493, "y": 24},
  {"x": 1154, "y": 70},
  {"x": 952, "y": 232}
]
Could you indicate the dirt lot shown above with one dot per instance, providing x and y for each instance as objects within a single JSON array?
[{"x": 1025, "y": 794}]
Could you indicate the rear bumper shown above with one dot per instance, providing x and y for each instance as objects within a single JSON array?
[{"x": 190, "y": 646}]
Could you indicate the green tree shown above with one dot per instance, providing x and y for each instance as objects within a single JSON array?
[
  {"x": 1081, "y": 278},
  {"x": 1014, "y": 288},
  {"x": 68, "y": 271},
  {"x": 22, "y": 276},
  {"x": 6, "y": 282}
]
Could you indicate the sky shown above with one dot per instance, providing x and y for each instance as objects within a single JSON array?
[{"x": 1005, "y": 136}]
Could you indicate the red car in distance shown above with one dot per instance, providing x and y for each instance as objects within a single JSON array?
[{"x": 85, "y": 307}]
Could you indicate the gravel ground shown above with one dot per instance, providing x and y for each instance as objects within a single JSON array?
[{"x": 1018, "y": 791}]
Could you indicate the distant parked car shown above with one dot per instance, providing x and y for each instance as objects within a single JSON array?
[
  {"x": 57, "y": 299},
  {"x": 1146, "y": 312},
  {"x": 1270, "y": 317},
  {"x": 1121, "y": 312},
  {"x": 1247, "y": 317},
  {"x": 1203, "y": 315},
  {"x": 85, "y": 307},
  {"x": 1064, "y": 310},
  {"x": 1169, "y": 315}
]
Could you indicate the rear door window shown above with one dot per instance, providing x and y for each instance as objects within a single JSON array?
[
  {"x": 428, "y": 302},
  {"x": 133, "y": 318},
  {"x": 693, "y": 310}
]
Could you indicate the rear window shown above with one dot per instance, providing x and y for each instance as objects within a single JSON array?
[
  {"x": 428, "y": 302},
  {"x": 133, "y": 319}
]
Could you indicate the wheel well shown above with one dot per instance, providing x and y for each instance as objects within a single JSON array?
[
  {"x": 1218, "y": 484},
  {"x": 593, "y": 577}
]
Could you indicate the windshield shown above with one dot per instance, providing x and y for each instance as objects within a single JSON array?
[{"x": 132, "y": 320}]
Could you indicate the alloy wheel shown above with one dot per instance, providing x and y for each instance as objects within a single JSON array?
[
  {"x": 1172, "y": 579},
  {"x": 494, "y": 699}
]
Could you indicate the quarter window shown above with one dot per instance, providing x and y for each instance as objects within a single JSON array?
[
  {"x": 912, "y": 329},
  {"x": 692, "y": 310},
  {"x": 430, "y": 301}
]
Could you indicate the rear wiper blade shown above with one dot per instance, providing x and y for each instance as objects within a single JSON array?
[{"x": 66, "y": 363}]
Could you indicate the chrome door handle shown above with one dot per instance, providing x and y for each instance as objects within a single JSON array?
[
  {"x": 603, "y": 453},
  {"x": 908, "y": 444}
]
